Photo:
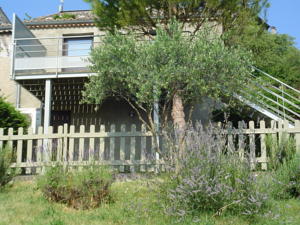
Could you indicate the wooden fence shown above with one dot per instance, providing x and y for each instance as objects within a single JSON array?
[{"x": 124, "y": 147}]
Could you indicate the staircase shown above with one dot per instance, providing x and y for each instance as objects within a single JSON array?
[{"x": 271, "y": 97}]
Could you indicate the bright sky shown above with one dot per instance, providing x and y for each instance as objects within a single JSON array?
[{"x": 284, "y": 15}]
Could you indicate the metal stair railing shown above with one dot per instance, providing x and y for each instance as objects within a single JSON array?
[{"x": 271, "y": 96}]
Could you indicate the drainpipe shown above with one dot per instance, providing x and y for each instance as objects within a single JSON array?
[{"x": 18, "y": 95}]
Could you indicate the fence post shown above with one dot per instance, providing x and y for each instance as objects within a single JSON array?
[
  {"x": 263, "y": 145},
  {"x": 297, "y": 136}
]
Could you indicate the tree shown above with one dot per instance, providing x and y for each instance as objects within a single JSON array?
[
  {"x": 10, "y": 117},
  {"x": 146, "y": 15},
  {"x": 273, "y": 53},
  {"x": 171, "y": 68}
]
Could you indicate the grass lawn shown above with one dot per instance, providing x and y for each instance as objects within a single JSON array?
[{"x": 135, "y": 203}]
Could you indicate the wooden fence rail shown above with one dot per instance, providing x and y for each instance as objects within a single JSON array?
[{"x": 126, "y": 148}]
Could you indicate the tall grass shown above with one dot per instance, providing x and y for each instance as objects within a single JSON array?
[{"x": 6, "y": 172}]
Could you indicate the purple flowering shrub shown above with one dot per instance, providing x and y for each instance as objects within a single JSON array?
[{"x": 211, "y": 176}]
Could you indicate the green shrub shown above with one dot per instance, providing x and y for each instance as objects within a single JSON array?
[
  {"x": 286, "y": 180},
  {"x": 79, "y": 189},
  {"x": 280, "y": 152},
  {"x": 10, "y": 117},
  {"x": 212, "y": 178},
  {"x": 6, "y": 173}
]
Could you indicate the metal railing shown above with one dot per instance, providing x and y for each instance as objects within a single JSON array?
[
  {"x": 51, "y": 55},
  {"x": 272, "y": 97}
]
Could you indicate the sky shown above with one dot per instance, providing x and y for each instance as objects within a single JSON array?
[{"x": 284, "y": 16}]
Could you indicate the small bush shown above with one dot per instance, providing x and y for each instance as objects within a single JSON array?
[
  {"x": 10, "y": 117},
  {"x": 79, "y": 189},
  {"x": 6, "y": 173},
  {"x": 286, "y": 180},
  {"x": 212, "y": 177}
]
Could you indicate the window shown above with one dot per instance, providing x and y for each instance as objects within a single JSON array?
[{"x": 80, "y": 46}]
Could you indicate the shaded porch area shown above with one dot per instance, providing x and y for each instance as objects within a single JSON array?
[{"x": 61, "y": 101}]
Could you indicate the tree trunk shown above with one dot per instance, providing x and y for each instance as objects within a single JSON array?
[
  {"x": 178, "y": 113},
  {"x": 179, "y": 124}
]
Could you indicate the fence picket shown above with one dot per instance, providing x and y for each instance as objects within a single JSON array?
[
  {"x": 263, "y": 146},
  {"x": 297, "y": 136},
  {"x": 112, "y": 144},
  {"x": 19, "y": 146},
  {"x": 10, "y": 134},
  {"x": 230, "y": 145},
  {"x": 143, "y": 149},
  {"x": 81, "y": 144},
  {"x": 252, "y": 145},
  {"x": 132, "y": 146},
  {"x": 49, "y": 146},
  {"x": 241, "y": 147},
  {"x": 101, "y": 143},
  {"x": 92, "y": 144},
  {"x": 71, "y": 144},
  {"x": 65, "y": 143},
  {"x": 274, "y": 137},
  {"x": 60, "y": 144},
  {"x": 122, "y": 147},
  {"x": 1, "y": 135},
  {"x": 40, "y": 149},
  {"x": 29, "y": 152}
]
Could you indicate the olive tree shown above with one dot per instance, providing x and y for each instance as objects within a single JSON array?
[{"x": 173, "y": 69}]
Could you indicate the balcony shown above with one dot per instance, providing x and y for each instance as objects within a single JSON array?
[
  {"x": 49, "y": 57},
  {"x": 52, "y": 57}
]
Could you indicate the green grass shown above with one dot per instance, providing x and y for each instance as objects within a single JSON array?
[{"x": 135, "y": 203}]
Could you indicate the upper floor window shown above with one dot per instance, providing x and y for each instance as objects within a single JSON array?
[{"x": 77, "y": 46}]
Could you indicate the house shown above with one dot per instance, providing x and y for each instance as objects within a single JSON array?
[
  {"x": 45, "y": 72},
  {"x": 44, "y": 67}
]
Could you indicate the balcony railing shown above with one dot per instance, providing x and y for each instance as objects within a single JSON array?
[{"x": 52, "y": 56}]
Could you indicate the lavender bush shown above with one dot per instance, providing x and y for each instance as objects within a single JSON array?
[{"x": 211, "y": 176}]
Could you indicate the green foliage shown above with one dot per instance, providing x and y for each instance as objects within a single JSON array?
[
  {"x": 10, "y": 117},
  {"x": 273, "y": 53},
  {"x": 286, "y": 180},
  {"x": 144, "y": 71},
  {"x": 148, "y": 14},
  {"x": 63, "y": 16},
  {"x": 83, "y": 189},
  {"x": 6, "y": 173},
  {"x": 281, "y": 151}
]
